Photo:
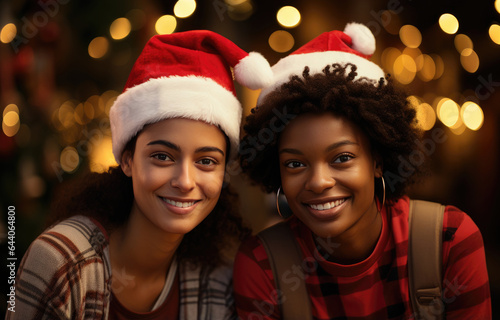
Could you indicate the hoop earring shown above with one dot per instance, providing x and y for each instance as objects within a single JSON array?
[
  {"x": 383, "y": 186},
  {"x": 277, "y": 202}
]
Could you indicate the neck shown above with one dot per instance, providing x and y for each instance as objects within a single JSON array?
[
  {"x": 142, "y": 249},
  {"x": 358, "y": 242}
]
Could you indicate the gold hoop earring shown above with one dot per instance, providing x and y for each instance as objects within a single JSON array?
[
  {"x": 277, "y": 202},
  {"x": 383, "y": 186}
]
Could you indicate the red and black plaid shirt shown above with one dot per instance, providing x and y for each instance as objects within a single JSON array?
[{"x": 376, "y": 288}]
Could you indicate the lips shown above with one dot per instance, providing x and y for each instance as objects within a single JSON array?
[{"x": 326, "y": 209}]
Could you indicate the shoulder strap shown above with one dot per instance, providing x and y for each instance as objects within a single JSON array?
[
  {"x": 284, "y": 257},
  {"x": 425, "y": 258}
]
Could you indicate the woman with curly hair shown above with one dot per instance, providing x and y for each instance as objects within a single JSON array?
[
  {"x": 152, "y": 238},
  {"x": 335, "y": 136}
]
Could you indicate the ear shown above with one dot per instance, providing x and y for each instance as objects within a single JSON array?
[
  {"x": 126, "y": 163},
  {"x": 378, "y": 166}
]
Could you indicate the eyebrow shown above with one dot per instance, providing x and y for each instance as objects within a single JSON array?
[
  {"x": 328, "y": 149},
  {"x": 175, "y": 147}
]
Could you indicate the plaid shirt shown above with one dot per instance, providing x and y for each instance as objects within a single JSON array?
[
  {"x": 376, "y": 288},
  {"x": 66, "y": 274}
]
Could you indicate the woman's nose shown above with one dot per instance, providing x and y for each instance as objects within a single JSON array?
[
  {"x": 320, "y": 178},
  {"x": 183, "y": 178}
]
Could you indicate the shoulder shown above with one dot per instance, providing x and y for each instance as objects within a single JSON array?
[{"x": 65, "y": 245}]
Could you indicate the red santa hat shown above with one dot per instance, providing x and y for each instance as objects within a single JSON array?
[
  {"x": 186, "y": 75},
  {"x": 354, "y": 45}
]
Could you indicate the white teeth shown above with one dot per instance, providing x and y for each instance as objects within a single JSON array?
[
  {"x": 178, "y": 203},
  {"x": 327, "y": 205}
]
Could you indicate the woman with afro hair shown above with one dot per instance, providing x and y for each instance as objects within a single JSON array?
[
  {"x": 153, "y": 238},
  {"x": 334, "y": 135}
]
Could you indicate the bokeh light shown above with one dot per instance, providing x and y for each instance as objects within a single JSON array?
[
  {"x": 288, "y": 16},
  {"x": 494, "y": 32},
  {"x": 405, "y": 69},
  {"x": 8, "y": 33},
  {"x": 410, "y": 36},
  {"x": 101, "y": 157},
  {"x": 448, "y": 23},
  {"x": 69, "y": 159},
  {"x": 448, "y": 112},
  {"x": 281, "y": 41},
  {"x": 428, "y": 70},
  {"x": 98, "y": 47},
  {"x": 469, "y": 60},
  {"x": 463, "y": 42},
  {"x": 184, "y": 8},
  {"x": 472, "y": 115},
  {"x": 166, "y": 24},
  {"x": 120, "y": 28}
]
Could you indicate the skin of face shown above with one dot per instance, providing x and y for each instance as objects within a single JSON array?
[
  {"x": 327, "y": 174},
  {"x": 177, "y": 171}
]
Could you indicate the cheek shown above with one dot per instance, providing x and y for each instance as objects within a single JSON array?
[{"x": 212, "y": 184}]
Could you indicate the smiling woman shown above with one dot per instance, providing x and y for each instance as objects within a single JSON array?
[
  {"x": 154, "y": 237},
  {"x": 349, "y": 133}
]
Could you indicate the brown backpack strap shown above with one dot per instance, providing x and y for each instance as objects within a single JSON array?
[
  {"x": 284, "y": 257},
  {"x": 425, "y": 259}
]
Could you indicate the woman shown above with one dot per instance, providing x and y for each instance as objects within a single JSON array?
[
  {"x": 151, "y": 238},
  {"x": 330, "y": 128}
]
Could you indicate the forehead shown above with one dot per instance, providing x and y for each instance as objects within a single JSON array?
[
  {"x": 324, "y": 128},
  {"x": 182, "y": 131}
]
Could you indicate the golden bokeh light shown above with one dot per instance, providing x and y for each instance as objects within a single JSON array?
[
  {"x": 405, "y": 69},
  {"x": 184, "y": 8},
  {"x": 448, "y": 23},
  {"x": 426, "y": 116},
  {"x": 463, "y": 42},
  {"x": 438, "y": 61},
  {"x": 448, "y": 112},
  {"x": 410, "y": 36},
  {"x": 428, "y": 70},
  {"x": 10, "y": 121},
  {"x": 101, "y": 157},
  {"x": 120, "y": 28},
  {"x": 11, "y": 118},
  {"x": 69, "y": 159},
  {"x": 98, "y": 47},
  {"x": 389, "y": 56},
  {"x": 166, "y": 24},
  {"x": 494, "y": 32},
  {"x": 288, "y": 16},
  {"x": 497, "y": 5},
  {"x": 472, "y": 115},
  {"x": 281, "y": 41},
  {"x": 66, "y": 114},
  {"x": 10, "y": 107},
  {"x": 469, "y": 60},
  {"x": 8, "y": 33}
]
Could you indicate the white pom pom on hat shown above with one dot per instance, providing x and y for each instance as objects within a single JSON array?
[
  {"x": 186, "y": 75},
  {"x": 354, "y": 45}
]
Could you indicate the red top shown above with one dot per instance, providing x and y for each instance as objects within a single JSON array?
[
  {"x": 168, "y": 310},
  {"x": 376, "y": 288}
]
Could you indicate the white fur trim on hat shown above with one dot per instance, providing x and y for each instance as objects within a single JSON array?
[
  {"x": 317, "y": 61},
  {"x": 190, "y": 97},
  {"x": 362, "y": 38},
  {"x": 253, "y": 71}
]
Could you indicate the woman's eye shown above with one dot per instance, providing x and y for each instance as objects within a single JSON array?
[
  {"x": 161, "y": 157},
  {"x": 343, "y": 158},
  {"x": 294, "y": 164},
  {"x": 207, "y": 162}
]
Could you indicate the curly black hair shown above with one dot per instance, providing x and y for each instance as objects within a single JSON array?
[
  {"x": 380, "y": 109},
  {"x": 108, "y": 198}
]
